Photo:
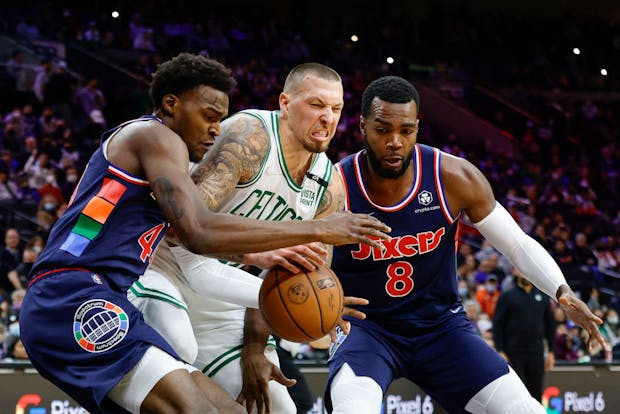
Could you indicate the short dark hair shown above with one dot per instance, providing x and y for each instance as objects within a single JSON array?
[
  {"x": 187, "y": 71},
  {"x": 393, "y": 89},
  {"x": 297, "y": 74}
]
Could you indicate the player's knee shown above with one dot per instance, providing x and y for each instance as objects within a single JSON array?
[
  {"x": 505, "y": 395},
  {"x": 354, "y": 394}
]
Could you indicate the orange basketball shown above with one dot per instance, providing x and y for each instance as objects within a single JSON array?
[{"x": 301, "y": 307}]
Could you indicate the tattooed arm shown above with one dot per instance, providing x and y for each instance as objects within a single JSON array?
[
  {"x": 235, "y": 158},
  {"x": 160, "y": 155}
]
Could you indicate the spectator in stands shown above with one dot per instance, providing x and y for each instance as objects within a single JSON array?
[
  {"x": 19, "y": 276},
  {"x": 593, "y": 302},
  {"x": 23, "y": 77},
  {"x": 51, "y": 188},
  {"x": 68, "y": 184},
  {"x": 472, "y": 309},
  {"x": 16, "y": 351},
  {"x": 568, "y": 344},
  {"x": 44, "y": 73},
  {"x": 585, "y": 257},
  {"x": 10, "y": 256},
  {"x": 92, "y": 101},
  {"x": 488, "y": 294},
  {"x": 47, "y": 212},
  {"x": 60, "y": 91},
  {"x": 38, "y": 169},
  {"x": 9, "y": 191}
]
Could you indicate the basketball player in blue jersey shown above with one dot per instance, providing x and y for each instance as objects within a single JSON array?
[
  {"x": 78, "y": 327},
  {"x": 415, "y": 326}
]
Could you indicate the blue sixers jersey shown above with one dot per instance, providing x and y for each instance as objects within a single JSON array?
[
  {"x": 412, "y": 283},
  {"x": 112, "y": 225}
]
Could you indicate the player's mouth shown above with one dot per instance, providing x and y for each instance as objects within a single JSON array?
[
  {"x": 320, "y": 136},
  {"x": 393, "y": 161}
]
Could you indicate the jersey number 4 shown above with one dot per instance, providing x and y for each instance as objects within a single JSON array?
[
  {"x": 400, "y": 282},
  {"x": 147, "y": 240}
]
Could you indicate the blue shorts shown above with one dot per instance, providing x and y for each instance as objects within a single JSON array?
[
  {"x": 83, "y": 335},
  {"x": 450, "y": 362}
]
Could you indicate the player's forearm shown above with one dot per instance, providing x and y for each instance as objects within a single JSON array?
[
  {"x": 255, "y": 330},
  {"x": 525, "y": 253},
  {"x": 227, "y": 234}
]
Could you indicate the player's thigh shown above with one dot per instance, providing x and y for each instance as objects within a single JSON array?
[
  {"x": 164, "y": 309},
  {"x": 158, "y": 382},
  {"x": 452, "y": 364}
]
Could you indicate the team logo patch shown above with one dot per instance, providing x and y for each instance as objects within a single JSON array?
[
  {"x": 425, "y": 198},
  {"x": 99, "y": 325},
  {"x": 96, "y": 278}
]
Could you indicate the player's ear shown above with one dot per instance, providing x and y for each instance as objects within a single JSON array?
[
  {"x": 170, "y": 103},
  {"x": 362, "y": 124},
  {"x": 284, "y": 100}
]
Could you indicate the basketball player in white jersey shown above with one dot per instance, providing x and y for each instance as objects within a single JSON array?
[{"x": 266, "y": 165}]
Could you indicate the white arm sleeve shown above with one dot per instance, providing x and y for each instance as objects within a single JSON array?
[
  {"x": 525, "y": 253},
  {"x": 212, "y": 278}
]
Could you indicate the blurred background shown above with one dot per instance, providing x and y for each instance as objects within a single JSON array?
[{"x": 528, "y": 91}]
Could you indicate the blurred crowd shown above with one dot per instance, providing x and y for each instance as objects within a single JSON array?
[{"x": 562, "y": 189}]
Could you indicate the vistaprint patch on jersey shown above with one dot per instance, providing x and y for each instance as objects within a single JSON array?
[{"x": 99, "y": 325}]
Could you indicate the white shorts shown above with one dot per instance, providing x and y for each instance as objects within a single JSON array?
[
  {"x": 131, "y": 391},
  {"x": 204, "y": 331}
]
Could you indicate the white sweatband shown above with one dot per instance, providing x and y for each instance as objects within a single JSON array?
[
  {"x": 212, "y": 278},
  {"x": 525, "y": 253}
]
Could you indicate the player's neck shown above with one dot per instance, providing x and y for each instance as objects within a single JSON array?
[
  {"x": 297, "y": 158},
  {"x": 386, "y": 191}
]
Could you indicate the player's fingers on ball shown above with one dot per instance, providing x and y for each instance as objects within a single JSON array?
[
  {"x": 303, "y": 261},
  {"x": 314, "y": 257},
  {"x": 354, "y": 313},
  {"x": 354, "y": 300},
  {"x": 318, "y": 248},
  {"x": 288, "y": 265}
]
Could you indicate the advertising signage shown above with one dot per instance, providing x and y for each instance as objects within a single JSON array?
[{"x": 568, "y": 389}]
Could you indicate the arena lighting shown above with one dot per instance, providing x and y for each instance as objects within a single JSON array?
[
  {"x": 354, "y": 38},
  {"x": 390, "y": 60},
  {"x": 604, "y": 72},
  {"x": 576, "y": 51},
  {"x": 115, "y": 14}
]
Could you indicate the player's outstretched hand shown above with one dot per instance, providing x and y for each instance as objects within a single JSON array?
[
  {"x": 293, "y": 259},
  {"x": 257, "y": 372},
  {"x": 346, "y": 228},
  {"x": 349, "y": 311},
  {"x": 579, "y": 313}
]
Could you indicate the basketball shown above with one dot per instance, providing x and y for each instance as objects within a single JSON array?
[{"x": 301, "y": 307}]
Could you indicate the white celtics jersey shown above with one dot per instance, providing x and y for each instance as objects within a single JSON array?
[{"x": 273, "y": 194}]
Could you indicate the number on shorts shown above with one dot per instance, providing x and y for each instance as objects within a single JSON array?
[
  {"x": 399, "y": 282},
  {"x": 147, "y": 240}
]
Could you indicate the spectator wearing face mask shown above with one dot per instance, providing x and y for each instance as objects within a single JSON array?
[
  {"x": 68, "y": 184},
  {"x": 47, "y": 212},
  {"x": 488, "y": 294}
]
